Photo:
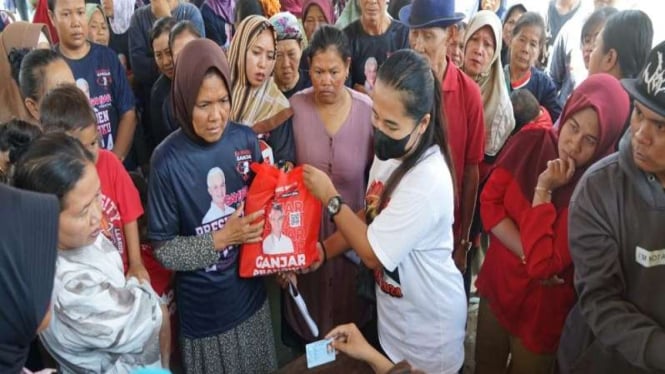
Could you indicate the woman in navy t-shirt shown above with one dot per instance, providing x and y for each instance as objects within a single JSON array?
[{"x": 198, "y": 184}]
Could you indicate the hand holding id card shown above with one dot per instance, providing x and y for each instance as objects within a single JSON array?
[{"x": 319, "y": 353}]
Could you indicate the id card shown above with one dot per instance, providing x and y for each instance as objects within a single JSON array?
[{"x": 319, "y": 353}]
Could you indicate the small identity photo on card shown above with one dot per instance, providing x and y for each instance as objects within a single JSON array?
[{"x": 319, "y": 353}]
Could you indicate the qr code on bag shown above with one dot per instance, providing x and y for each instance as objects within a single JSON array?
[{"x": 294, "y": 219}]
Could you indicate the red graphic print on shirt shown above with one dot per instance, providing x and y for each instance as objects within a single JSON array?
[
  {"x": 112, "y": 224},
  {"x": 387, "y": 281}
]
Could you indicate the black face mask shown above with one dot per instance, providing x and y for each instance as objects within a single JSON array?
[{"x": 386, "y": 147}]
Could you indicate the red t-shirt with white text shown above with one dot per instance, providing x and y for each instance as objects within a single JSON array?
[{"x": 121, "y": 203}]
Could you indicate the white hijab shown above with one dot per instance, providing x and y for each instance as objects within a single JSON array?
[
  {"x": 122, "y": 15},
  {"x": 497, "y": 108}
]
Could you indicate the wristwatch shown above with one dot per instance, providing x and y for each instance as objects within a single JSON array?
[{"x": 334, "y": 206}]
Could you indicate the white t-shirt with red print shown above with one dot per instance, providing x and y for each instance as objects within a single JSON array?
[{"x": 420, "y": 293}]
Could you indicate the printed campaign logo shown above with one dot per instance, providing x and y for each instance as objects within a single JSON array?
[
  {"x": 112, "y": 223},
  {"x": 104, "y": 77},
  {"x": 282, "y": 192},
  {"x": 243, "y": 160}
]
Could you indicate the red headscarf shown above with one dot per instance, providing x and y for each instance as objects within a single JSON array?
[
  {"x": 526, "y": 154},
  {"x": 41, "y": 16}
]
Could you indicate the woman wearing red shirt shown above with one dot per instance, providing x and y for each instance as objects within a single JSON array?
[{"x": 526, "y": 282}]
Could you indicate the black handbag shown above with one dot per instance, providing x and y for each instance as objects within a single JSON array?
[{"x": 365, "y": 284}]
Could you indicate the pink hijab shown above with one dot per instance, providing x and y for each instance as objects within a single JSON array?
[
  {"x": 326, "y": 9},
  {"x": 292, "y": 6}
]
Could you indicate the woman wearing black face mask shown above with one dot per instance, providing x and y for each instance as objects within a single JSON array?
[
  {"x": 405, "y": 233},
  {"x": 386, "y": 147}
]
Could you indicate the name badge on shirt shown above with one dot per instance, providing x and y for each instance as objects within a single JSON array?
[{"x": 649, "y": 258}]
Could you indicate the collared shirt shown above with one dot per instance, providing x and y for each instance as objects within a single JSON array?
[
  {"x": 215, "y": 212},
  {"x": 463, "y": 110}
]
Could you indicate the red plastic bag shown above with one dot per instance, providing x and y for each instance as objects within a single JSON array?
[
  {"x": 41, "y": 16},
  {"x": 292, "y": 222}
]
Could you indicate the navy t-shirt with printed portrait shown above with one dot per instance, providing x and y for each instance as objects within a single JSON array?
[
  {"x": 378, "y": 47},
  {"x": 184, "y": 201},
  {"x": 103, "y": 79}
]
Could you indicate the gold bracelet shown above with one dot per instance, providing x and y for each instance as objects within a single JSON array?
[{"x": 538, "y": 188}]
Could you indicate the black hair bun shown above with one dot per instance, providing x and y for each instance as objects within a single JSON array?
[
  {"x": 16, "y": 136},
  {"x": 15, "y": 59}
]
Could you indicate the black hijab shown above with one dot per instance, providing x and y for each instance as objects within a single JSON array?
[{"x": 28, "y": 250}]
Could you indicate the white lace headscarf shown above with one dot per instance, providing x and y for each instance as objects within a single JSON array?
[{"x": 122, "y": 15}]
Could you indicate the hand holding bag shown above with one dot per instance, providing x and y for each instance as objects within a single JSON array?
[{"x": 292, "y": 222}]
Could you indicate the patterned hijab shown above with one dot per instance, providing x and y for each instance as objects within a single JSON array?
[
  {"x": 527, "y": 153},
  {"x": 189, "y": 74},
  {"x": 252, "y": 104},
  {"x": 497, "y": 109},
  {"x": 286, "y": 26},
  {"x": 16, "y": 35}
]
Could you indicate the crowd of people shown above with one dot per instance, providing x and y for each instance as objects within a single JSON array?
[{"x": 429, "y": 135}]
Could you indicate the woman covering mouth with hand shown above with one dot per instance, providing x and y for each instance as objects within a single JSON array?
[{"x": 526, "y": 282}]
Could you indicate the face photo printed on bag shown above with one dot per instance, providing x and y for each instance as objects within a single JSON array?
[
  {"x": 277, "y": 243},
  {"x": 283, "y": 229},
  {"x": 292, "y": 219}
]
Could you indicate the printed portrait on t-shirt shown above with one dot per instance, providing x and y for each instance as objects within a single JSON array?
[
  {"x": 371, "y": 67},
  {"x": 103, "y": 124},
  {"x": 387, "y": 281},
  {"x": 372, "y": 197},
  {"x": 83, "y": 85},
  {"x": 276, "y": 243},
  {"x": 216, "y": 182}
]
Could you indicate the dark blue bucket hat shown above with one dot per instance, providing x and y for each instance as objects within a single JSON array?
[{"x": 430, "y": 13}]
